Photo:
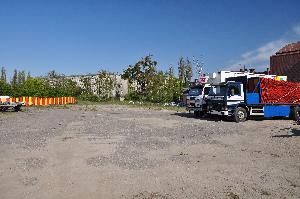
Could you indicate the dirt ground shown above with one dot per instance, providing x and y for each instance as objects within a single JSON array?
[{"x": 110, "y": 151}]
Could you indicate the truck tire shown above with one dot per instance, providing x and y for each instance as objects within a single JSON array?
[
  {"x": 240, "y": 115},
  {"x": 17, "y": 108},
  {"x": 297, "y": 114}
]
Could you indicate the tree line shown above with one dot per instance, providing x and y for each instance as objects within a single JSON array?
[{"x": 145, "y": 83}]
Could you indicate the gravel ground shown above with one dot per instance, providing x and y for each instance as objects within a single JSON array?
[{"x": 119, "y": 152}]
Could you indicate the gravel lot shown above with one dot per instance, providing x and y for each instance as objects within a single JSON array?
[{"x": 110, "y": 151}]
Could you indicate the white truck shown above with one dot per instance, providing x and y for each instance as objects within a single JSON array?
[
  {"x": 5, "y": 104},
  {"x": 195, "y": 100}
]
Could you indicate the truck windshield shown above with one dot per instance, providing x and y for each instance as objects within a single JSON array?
[
  {"x": 219, "y": 90},
  {"x": 195, "y": 92}
]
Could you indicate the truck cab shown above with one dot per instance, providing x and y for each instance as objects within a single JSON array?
[
  {"x": 196, "y": 99},
  {"x": 224, "y": 97}
]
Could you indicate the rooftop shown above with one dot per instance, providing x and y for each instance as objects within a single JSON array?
[{"x": 293, "y": 47}]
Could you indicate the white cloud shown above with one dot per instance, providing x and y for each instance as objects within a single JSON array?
[
  {"x": 259, "y": 58},
  {"x": 296, "y": 29}
]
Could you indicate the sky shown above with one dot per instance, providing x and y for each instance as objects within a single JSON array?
[{"x": 80, "y": 37}]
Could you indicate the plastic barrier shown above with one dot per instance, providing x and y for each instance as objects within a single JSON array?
[{"x": 41, "y": 101}]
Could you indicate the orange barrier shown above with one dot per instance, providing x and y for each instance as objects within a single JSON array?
[{"x": 40, "y": 101}]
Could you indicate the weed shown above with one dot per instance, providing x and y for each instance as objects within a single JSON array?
[{"x": 266, "y": 193}]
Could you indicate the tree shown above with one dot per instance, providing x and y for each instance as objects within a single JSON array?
[
  {"x": 86, "y": 84},
  {"x": 181, "y": 69},
  {"x": 14, "y": 81},
  {"x": 35, "y": 87},
  {"x": 21, "y": 77},
  {"x": 3, "y": 75},
  {"x": 104, "y": 85},
  {"x": 189, "y": 71},
  {"x": 5, "y": 88},
  {"x": 15, "y": 87},
  {"x": 140, "y": 76},
  {"x": 185, "y": 71},
  {"x": 170, "y": 71}
]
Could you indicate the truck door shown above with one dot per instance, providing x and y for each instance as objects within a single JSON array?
[{"x": 235, "y": 94}]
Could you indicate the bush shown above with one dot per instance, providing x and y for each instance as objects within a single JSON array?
[{"x": 89, "y": 97}]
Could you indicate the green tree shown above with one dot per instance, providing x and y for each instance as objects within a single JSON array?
[
  {"x": 104, "y": 85},
  {"x": 15, "y": 87},
  {"x": 188, "y": 71},
  {"x": 185, "y": 71},
  {"x": 21, "y": 77},
  {"x": 36, "y": 87},
  {"x": 140, "y": 77},
  {"x": 60, "y": 85},
  {"x": 14, "y": 81},
  {"x": 3, "y": 75},
  {"x": 86, "y": 84},
  {"x": 5, "y": 88},
  {"x": 181, "y": 69}
]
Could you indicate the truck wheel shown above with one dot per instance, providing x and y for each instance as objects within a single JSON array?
[
  {"x": 17, "y": 108},
  {"x": 297, "y": 113},
  {"x": 240, "y": 115}
]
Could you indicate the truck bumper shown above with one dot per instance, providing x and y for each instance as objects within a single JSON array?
[{"x": 213, "y": 112}]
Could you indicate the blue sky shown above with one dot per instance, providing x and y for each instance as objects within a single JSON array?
[{"x": 76, "y": 37}]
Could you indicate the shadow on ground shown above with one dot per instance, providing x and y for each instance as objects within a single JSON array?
[
  {"x": 205, "y": 117},
  {"x": 292, "y": 133}
]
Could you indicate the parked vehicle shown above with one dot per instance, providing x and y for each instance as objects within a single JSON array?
[
  {"x": 198, "y": 92},
  {"x": 241, "y": 97},
  {"x": 196, "y": 99},
  {"x": 5, "y": 104}
]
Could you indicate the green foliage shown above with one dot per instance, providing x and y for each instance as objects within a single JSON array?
[
  {"x": 55, "y": 85},
  {"x": 87, "y": 84},
  {"x": 5, "y": 88},
  {"x": 59, "y": 85},
  {"x": 185, "y": 71},
  {"x": 88, "y": 97},
  {"x": 104, "y": 85},
  {"x": 35, "y": 87},
  {"x": 148, "y": 84},
  {"x": 140, "y": 75},
  {"x": 3, "y": 75}
]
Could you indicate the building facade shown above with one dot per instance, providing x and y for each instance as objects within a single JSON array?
[
  {"x": 120, "y": 85},
  {"x": 286, "y": 62}
]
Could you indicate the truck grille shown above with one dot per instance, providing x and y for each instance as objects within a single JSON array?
[{"x": 215, "y": 105}]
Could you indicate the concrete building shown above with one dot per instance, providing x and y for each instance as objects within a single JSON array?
[
  {"x": 286, "y": 62},
  {"x": 120, "y": 89}
]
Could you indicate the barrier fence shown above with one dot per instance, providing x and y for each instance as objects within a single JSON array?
[{"x": 41, "y": 101}]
